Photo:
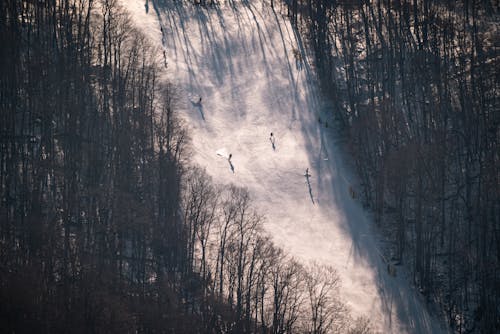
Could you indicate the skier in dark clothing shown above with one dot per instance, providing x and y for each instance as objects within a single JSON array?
[
  {"x": 307, "y": 175},
  {"x": 271, "y": 138},
  {"x": 230, "y": 163}
]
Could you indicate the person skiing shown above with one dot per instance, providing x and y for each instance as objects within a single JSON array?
[
  {"x": 271, "y": 138},
  {"x": 230, "y": 163},
  {"x": 199, "y": 101},
  {"x": 165, "y": 58}
]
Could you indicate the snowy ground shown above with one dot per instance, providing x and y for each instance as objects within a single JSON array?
[{"x": 242, "y": 61}]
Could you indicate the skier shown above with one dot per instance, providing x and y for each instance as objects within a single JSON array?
[
  {"x": 307, "y": 173},
  {"x": 230, "y": 163},
  {"x": 199, "y": 101}
]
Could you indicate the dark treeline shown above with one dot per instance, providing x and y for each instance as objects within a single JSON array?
[
  {"x": 103, "y": 227},
  {"x": 415, "y": 86},
  {"x": 90, "y": 236}
]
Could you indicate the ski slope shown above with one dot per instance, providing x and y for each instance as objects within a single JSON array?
[{"x": 242, "y": 60}]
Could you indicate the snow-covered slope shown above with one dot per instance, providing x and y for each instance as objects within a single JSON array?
[{"x": 242, "y": 61}]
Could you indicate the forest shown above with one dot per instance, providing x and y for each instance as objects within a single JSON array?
[
  {"x": 106, "y": 226},
  {"x": 415, "y": 89}
]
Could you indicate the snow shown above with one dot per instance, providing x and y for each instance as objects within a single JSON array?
[
  {"x": 222, "y": 152},
  {"x": 243, "y": 61}
]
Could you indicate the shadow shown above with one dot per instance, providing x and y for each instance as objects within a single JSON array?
[
  {"x": 307, "y": 175},
  {"x": 322, "y": 158},
  {"x": 217, "y": 50},
  {"x": 173, "y": 17},
  {"x": 292, "y": 79},
  {"x": 231, "y": 166},
  {"x": 298, "y": 63},
  {"x": 273, "y": 143},
  {"x": 199, "y": 107}
]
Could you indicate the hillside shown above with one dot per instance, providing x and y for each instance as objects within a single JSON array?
[{"x": 254, "y": 77}]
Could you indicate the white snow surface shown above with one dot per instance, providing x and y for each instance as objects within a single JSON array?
[{"x": 240, "y": 59}]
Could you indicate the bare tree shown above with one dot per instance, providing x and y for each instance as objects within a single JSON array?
[{"x": 327, "y": 312}]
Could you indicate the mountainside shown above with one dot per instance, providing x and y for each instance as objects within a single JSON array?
[{"x": 241, "y": 73}]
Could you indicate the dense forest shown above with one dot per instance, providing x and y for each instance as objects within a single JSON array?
[
  {"x": 104, "y": 225},
  {"x": 90, "y": 173},
  {"x": 415, "y": 88}
]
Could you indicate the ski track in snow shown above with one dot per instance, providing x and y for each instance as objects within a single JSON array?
[{"x": 241, "y": 61}]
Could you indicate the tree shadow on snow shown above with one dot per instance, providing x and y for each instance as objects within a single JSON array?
[
  {"x": 217, "y": 48},
  {"x": 198, "y": 106}
]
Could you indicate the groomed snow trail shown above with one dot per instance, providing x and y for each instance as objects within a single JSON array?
[{"x": 242, "y": 60}]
